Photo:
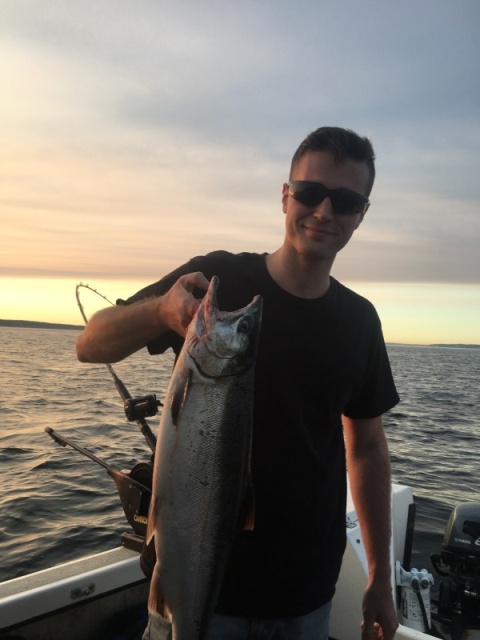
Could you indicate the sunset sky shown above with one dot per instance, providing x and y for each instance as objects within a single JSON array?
[{"x": 135, "y": 135}]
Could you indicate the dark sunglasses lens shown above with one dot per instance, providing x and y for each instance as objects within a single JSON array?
[
  {"x": 346, "y": 203},
  {"x": 309, "y": 195}
]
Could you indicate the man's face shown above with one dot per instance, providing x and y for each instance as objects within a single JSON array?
[{"x": 318, "y": 232}]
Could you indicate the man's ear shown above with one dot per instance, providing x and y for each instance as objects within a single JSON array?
[
  {"x": 284, "y": 197},
  {"x": 360, "y": 220}
]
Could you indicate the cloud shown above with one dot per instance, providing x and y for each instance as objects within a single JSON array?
[{"x": 136, "y": 135}]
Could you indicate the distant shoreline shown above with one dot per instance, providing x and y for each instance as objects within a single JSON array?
[
  {"x": 456, "y": 346},
  {"x": 31, "y": 324}
]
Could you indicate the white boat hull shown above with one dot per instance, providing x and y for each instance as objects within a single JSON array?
[{"x": 78, "y": 600}]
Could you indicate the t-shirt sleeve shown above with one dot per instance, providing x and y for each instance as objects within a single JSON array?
[{"x": 378, "y": 393}]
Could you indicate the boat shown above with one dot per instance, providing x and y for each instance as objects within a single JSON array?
[{"x": 103, "y": 596}]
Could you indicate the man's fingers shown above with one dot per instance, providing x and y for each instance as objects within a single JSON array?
[
  {"x": 193, "y": 280},
  {"x": 372, "y": 630},
  {"x": 186, "y": 304}
]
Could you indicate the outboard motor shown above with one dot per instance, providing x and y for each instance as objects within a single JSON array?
[{"x": 458, "y": 604}]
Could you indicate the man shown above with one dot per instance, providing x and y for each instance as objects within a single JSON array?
[{"x": 321, "y": 364}]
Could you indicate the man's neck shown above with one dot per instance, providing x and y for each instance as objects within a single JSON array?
[{"x": 298, "y": 275}]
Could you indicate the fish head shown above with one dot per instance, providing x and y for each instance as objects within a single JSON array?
[{"x": 223, "y": 343}]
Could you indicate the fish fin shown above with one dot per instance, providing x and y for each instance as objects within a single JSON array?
[
  {"x": 180, "y": 396},
  {"x": 157, "y": 603},
  {"x": 248, "y": 510},
  {"x": 148, "y": 557}
]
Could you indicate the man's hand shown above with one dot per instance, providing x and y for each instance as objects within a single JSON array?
[
  {"x": 116, "y": 332},
  {"x": 379, "y": 615},
  {"x": 178, "y": 305}
]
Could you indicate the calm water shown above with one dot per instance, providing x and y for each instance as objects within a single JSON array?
[{"x": 56, "y": 505}]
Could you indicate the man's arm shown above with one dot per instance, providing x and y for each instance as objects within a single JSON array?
[
  {"x": 368, "y": 466},
  {"x": 116, "y": 332}
]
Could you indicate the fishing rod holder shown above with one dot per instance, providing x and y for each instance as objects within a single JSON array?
[{"x": 141, "y": 407}]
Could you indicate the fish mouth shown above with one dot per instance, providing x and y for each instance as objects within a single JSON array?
[
  {"x": 210, "y": 305},
  {"x": 229, "y": 337},
  {"x": 209, "y": 313}
]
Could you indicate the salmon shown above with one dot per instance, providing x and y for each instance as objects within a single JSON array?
[{"x": 202, "y": 491}]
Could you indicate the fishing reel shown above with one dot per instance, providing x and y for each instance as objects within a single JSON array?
[
  {"x": 135, "y": 490},
  {"x": 458, "y": 603},
  {"x": 140, "y": 408}
]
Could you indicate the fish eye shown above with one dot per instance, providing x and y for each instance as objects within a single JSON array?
[{"x": 243, "y": 326}]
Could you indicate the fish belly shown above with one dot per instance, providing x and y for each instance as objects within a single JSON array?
[{"x": 204, "y": 464}]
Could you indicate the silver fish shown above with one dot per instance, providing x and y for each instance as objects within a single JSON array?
[{"x": 202, "y": 464}]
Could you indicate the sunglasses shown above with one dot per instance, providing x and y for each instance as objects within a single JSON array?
[{"x": 344, "y": 201}]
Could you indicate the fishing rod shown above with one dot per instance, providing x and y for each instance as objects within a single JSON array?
[
  {"x": 134, "y": 488},
  {"x": 136, "y": 408}
]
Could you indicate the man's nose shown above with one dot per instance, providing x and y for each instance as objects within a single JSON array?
[{"x": 324, "y": 210}]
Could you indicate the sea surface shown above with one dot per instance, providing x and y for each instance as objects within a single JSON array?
[{"x": 57, "y": 505}]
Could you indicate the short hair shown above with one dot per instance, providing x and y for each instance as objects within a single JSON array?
[{"x": 343, "y": 144}]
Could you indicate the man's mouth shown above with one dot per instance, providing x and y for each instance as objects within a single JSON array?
[{"x": 318, "y": 231}]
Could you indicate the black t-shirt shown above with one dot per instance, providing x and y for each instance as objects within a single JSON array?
[{"x": 317, "y": 358}]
